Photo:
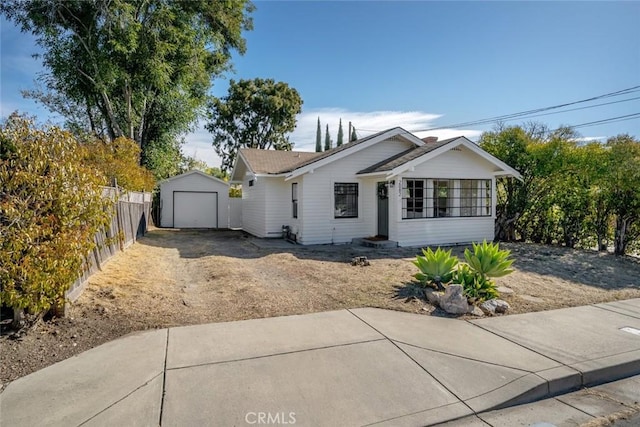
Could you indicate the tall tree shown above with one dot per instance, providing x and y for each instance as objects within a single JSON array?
[
  {"x": 624, "y": 193},
  {"x": 340, "y": 135},
  {"x": 318, "y": 138},
  {"x": 353, "y": 136},
  {"x": 256, "y": 113},
  {"x": 140, "y": 69},
  {"x": 327, "y": 140}
]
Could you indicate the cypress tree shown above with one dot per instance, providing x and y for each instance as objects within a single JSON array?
[
  {"x": 353, "y": 135},
  {"x": 318, "y": 138},
  {"x": 327, "y": 140},
  {"x": 340, "y": 135}
]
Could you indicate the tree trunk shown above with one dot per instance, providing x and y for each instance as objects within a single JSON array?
[
  {"x": 602, "y": 246},
  {"x": 620, "y": 244},
  {"x": 18, "y": 318}
]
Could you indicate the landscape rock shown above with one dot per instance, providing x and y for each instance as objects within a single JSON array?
[
  {"x": 361, "y": 261},
  {"x": 433, "y": 296},
  {"x": 495, "y": 306},
  {"x": 474, "y": 310},
  {"x": 454, "y": 301}
]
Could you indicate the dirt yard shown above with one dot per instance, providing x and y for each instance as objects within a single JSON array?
[{"x": 172, "y": 278}]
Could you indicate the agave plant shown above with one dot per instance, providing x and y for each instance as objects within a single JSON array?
[
  {"x": 488, "y": 260},
  {"x": 476, "y": 288},
  {"x": 436, "y": 268}
]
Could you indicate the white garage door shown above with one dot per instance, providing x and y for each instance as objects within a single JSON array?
[{"x": 195, "y": 209}]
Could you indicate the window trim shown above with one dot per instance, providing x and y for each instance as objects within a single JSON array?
[
  {"x": 479, "y": 204},
  {"x": 356, "y": 195},
  {"x": 294, "y": 199}
]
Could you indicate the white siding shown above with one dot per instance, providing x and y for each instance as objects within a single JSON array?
[
  {"x": 278, "y": 207},
  {"x": 443, "y": 231},
  {"x": 193, "y": 182},
  {"x": 254, "y": 205},
  {"x": 319, "y": 225},
  {"x": 460, "y": 163}
]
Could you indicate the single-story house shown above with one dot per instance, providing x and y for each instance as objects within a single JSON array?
[
  {"x": 194, "y": 200},
  {"x": 392, "y": 184}
]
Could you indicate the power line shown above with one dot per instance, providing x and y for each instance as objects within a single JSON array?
[
  {"x": 531, "y": 113},
  {"x": 536, "y": 110},
  {"x": 579, "y": 108},
  {"x": 610, "y": 120}
]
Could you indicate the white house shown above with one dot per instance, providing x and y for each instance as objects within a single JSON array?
[
  {"x": 391, "y": 184},
  {"x": 194, "y": 200}
]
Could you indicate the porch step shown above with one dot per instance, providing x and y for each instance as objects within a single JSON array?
[{"x": 378, "y": 244}]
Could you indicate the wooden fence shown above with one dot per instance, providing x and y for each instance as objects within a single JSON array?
[{"x": 132, "y": 213}]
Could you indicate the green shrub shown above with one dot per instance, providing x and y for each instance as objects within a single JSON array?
[
  {"x": 51, "y": 206},
  {"x": 488, "y": 260},
  {"x": 436, "y": 268},
  {"x": 475, "y": 287}
]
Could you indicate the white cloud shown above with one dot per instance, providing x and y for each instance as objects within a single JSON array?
[
  {"x": 304, "y": 136},
  {"x": 199, "y": 145}
]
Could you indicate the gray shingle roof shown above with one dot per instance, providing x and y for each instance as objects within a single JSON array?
[
  {"x": 406, "y": 156},
  {"x": 274, "y": 161}
]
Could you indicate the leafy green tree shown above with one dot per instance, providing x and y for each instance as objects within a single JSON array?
[
  {"x": 218, "y": 173},
  {"x": 624, "y": 191},
  {"x": 340, "y": 135},
  {"x": 318, "y": 138},
  {"x": 256, "y": 113},
  {"x": 327, "y": 140},
  {"x": 513, "y": 197},
  {"x": 129, "y": 68}
]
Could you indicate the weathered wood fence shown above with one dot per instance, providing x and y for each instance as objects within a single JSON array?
[{"x": 132, "y": 214}]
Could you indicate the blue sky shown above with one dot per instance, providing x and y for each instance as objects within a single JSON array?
[{"x": 418, "y": 64}]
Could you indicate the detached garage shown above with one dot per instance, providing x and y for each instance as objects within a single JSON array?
[{"x": 194, "y": 200}]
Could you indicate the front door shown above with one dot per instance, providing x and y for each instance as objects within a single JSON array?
[{"x": 383, "y": 209}]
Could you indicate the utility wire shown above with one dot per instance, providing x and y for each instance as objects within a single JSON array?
[
  {"x": 531, "y": 113},
  {"x": 610, "y": 120},
  {"x": 536, "y": 110}
]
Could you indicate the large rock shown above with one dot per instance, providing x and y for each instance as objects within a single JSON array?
[
  {"x": 453, "y": 301},
  {"x": 494, "y": 306},
  {"x": 433, "y": 296}
]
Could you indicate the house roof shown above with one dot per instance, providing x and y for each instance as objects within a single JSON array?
[
  {"x": 406, "y": 156},
  {"x": 295, "y": 163},
  {"x": 275, "y": 161}
]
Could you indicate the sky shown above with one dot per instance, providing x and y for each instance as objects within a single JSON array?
[{"x": 418, "y": 65}]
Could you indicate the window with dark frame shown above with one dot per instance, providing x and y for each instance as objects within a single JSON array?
[
  {"x": 345, "y": 196},
  {"x": 441, "y": 198},
  {"x": 294, "y": 199},
  {"x": 416, "y": 190}
]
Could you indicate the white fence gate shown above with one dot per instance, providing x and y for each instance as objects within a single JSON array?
[{"x": 235, "y": 212}]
